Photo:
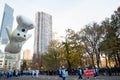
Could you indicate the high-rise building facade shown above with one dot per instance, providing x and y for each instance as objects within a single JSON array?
[
  {"x": 7, "y": 21},
  {"x": 27, "y": 55},
  {"x": 43, "y": 32}
]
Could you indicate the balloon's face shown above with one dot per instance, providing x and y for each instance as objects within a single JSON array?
[{"x": 19, "y": 35}]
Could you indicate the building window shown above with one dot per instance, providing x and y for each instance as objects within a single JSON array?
[{"x": 5, "y": 62}]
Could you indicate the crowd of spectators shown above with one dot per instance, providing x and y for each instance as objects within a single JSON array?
[{"x": 115, "y": 71}]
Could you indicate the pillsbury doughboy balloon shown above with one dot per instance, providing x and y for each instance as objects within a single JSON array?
[{"x": 18, "y": 37}]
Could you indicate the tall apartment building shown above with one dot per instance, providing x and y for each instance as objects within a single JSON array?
[
  {"x": 7, "y": 21},
  {"x": 43, "y": 32}
]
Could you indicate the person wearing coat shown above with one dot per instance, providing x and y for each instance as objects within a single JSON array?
[
  {"x": 63, "y": 73},
  {"x": 79, "y": 71}
]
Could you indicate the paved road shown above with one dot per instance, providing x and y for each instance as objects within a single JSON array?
[{"x": 43, "y": 77}]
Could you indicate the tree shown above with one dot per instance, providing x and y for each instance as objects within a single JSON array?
[
  {"x": 74, "y": 51},
  {"x": 115, "y": 24},
  {"x": 76, "y": 47},
  {"x": 24, "y": 65},
  {"x": 111, "y": 42},
  {"x": 91, "y": 37},
  {"x": 67, "y": 48},
  {"x": 51, "y": 58},
  {"x": 105, "y": 44}
]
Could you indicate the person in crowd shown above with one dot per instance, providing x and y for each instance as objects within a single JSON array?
[
  {"x": 59, "y": 72},
  {"x": 64, "y": 73},
  {"x": 16, "y": 73},
  {"x": 108, "y": 70},
  {"x": 9, "y": 73},
  {"x": 37, "y": 72},
  {"x": 33, "y": 73},
  {"x": 86, "y": 68},
  {"x": 115, "y": 70},
  {"x": 79, "y": 71},
  {"x": 2, "y": 73},
  {"x": 95, "y": 72}
]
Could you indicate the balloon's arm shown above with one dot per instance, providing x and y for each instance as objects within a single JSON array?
[{"x": 8, "y": 32}]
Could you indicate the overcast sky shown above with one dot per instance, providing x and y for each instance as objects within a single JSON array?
[{"x": 73, "y": 14}]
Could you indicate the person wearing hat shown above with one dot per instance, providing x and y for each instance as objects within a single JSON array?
[{"x": 79, "y": 71}]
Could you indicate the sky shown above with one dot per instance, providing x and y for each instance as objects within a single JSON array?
[{"x": 65, "y": 13}]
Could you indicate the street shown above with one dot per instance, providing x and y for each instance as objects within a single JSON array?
[{"x": 46, "y": 77}]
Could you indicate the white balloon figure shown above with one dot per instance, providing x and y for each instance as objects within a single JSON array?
[{"x": 19, "y": 35}]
